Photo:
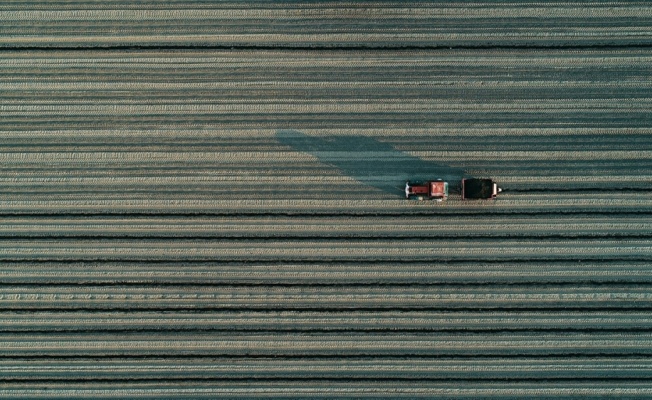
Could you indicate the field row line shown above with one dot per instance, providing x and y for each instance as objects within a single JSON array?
[
  {"x": 343, "y": 14},
  {"x": 616, "y": 34},
  {"x": 318, "y": 389},
  {"x": 224, "y": 134},
  {"x": 82, "y": 319},
  {"x": 178, "y": 344},
  {"x": 606, "y": 203},
  {"x": 335, "y": 106},
  {"x": 182, "y": 273},
  {"x": 353, "y": 155},
  {"x": 214, "y": 59}
]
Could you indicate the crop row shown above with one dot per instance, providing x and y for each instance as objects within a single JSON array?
[
  {"x": 323, "y": 389},
  {"x": 327, "y": 321},
  {"x": 557, "y": 203},
  {"x": 281, "y": 226},
  {"x": 436, "y": 271},
  {"x": 380, "y": 297},
  {"x": 331, "y": 250},
  {"x": 217, "y": 344},
  {"x": 351, "y": 368}
]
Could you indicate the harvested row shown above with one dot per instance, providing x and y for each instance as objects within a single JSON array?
[
  {"x": 327, "y": 321},
  {"x": 267, "y": 139},
  {"x": 331, "y": 250},
  {"x": 291, "y": 160},
  {"x": 433, "y": 369},
  {"x": 222, "y": 156},
  {"x": 318, "y": 273},
  {"x": 317, "y": 298},
  {"x": 529, "y": 142},
  {"x": 172, "y": 344},
  {"x": 318, "y": 106},
  {"x": 633, "y": 115},
  {"x": 242, "y": 227},
  {"x": 540, "y": 203}
]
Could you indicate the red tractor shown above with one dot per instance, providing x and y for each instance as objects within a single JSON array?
[{"x": 437, "y": 190}]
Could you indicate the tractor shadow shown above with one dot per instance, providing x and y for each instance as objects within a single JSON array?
[{"x": 376, "y": 164}]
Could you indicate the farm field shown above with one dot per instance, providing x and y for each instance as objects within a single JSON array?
[{"x": 206, "y": 200}]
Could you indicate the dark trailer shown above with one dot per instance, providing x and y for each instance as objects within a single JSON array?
[{"x": 479, "y": 189}]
